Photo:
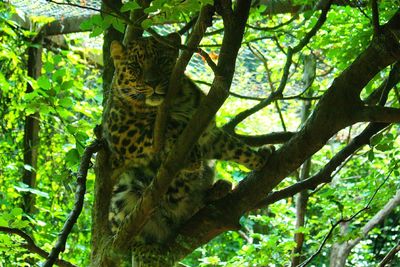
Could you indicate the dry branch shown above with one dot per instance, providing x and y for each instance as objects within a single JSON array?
[
  {"x": 79, "y": 199},
  {"x": 389, "y": 257}
]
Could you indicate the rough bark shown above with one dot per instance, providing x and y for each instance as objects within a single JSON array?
[
  {"x": 31, "y": 127},
  {"x": 103, "y": 185}
]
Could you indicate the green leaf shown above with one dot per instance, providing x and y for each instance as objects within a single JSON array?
[
  {"x": 49, "y": 67},
  {"x": 146, "y": 23},
  {"x": 72, "y": 158},
  {"x": 384, "y": 146},
  {"x": 59, "y": 75},
  {"x": 25, "y": 188},
  {"x": 66, "y": 102},
  {"x": 29, "y": 168},
  {"x": 86, "y": 25},
  {"x": 119, "y": 25},
  {"x": 130, "y": 6},
  {"x": 16, "y": 211},
  {"x": 67, "y": 84},
  {"x": 44, "y": 82},
  {"x": 96, "y": 32},
  {"x": 371, "y": 155},
  {"x": 376, "y": 139}
]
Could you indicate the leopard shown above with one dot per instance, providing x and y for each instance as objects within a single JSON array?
[{"x": 142, "y": 72}]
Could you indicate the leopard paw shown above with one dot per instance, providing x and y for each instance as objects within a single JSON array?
[
  {"x": 219, "y": 189},
  {"x": 264, "y": 152}
]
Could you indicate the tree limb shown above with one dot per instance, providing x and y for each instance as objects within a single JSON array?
[
  {"x": 79, "y": 199},
  {"x": 325, "y": 174},
  {"x": 32, "y": 247},
  {"x": 389, "y": 257},
  {"x": 375, "y": 16},
  {"x": 203, "y": 21},
  {"x": 378, "y": 114}
]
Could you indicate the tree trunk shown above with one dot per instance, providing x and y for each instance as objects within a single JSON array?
[
  {"x": 31, "y": 128},
  {"x": 302, "y": 198}
]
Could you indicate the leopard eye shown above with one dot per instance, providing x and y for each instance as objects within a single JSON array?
[{"x": 134, "y": 67}]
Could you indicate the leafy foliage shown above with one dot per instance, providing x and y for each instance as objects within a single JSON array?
[{"x": 68, "y": 97}]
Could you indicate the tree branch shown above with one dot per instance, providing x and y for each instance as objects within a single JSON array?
[
  {"x": 378, "y": 114},
  {"x": 263, "y": 139},
  {"x": 389, "y": 257},
  {"x": 79, "y": 199},
  {"x": 230, "y": 126},
  {"x": 325, "y": 121},
  {"x": 375, "y": 16},
  {"x": 202, "y": 23},
  {"x": 31, "y": 246},
  {"x": 367, "y": 206},
  {"x": 325, "y": 175}
]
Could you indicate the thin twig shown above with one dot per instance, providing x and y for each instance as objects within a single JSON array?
[
  {"x": 208, "y": 59},
  {"x": 367, "y": 206},
  {"x": 389, "y": 257},
  {"x": 188, "y": 26},
  {"x": 79, "y": 199},
  {"x": 375, "y": 16},
  {"x": 279, "y": 25},
  {"x": 32, "y": 247},
  {"x": 230, "y": 126}
]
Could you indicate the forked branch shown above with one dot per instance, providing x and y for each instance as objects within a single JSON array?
[{"x": 278, "y": 94}]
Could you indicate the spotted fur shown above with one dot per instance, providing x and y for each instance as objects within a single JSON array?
[{"x": 142, "y": 75}]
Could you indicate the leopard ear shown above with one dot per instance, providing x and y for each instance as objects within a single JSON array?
[
  {"x": 117, "y": 51},
  {"x": 174, "y": 38}
]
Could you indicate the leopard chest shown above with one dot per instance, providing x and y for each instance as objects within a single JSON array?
[{"x": 130, "y": 135}]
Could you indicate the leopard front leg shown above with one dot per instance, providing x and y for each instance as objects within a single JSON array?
[{"x": 217, "y": 144}]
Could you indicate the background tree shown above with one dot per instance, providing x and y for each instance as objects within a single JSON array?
[{"x": 260, "y": 49}]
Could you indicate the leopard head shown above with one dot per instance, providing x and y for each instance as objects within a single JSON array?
[{"x": 143, "y": 69}]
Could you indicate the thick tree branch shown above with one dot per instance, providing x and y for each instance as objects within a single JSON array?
[
  {"x": 378, "y": 114},
  {"x": 263, "y": 139},
  {"x": 79, "y": 199},
  {"x": 31, "y": 246},
  {"x": 325, "y": 174}
]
